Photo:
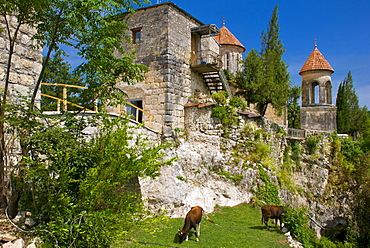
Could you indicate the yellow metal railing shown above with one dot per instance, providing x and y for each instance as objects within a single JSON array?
[
  {"x": 65, "y": 102},
  {"x": 137, "y": 113}
]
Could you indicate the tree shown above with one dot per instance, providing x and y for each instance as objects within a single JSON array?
[
  {"x": 265, "y": 78},
  {"x": 351, "y": 119},
  {"x": 60, "y": 72},
  {"x": 293, "y": 107},
  {"x": 251, "y": 78},
  {"x": 94, "y": 28}
]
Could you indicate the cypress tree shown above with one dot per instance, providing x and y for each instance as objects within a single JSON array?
[
  {"x": 265, "y": 78},
  {"x": 351, "y": 119}
]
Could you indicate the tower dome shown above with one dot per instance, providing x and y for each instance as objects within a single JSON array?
[
  {"x": 231, "y": 50},
  {"x": 316, "y": 61}
]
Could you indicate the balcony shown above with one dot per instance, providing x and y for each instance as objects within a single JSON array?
[{"x": 206, "y": 61}]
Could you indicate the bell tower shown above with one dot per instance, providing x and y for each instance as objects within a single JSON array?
[{"x": 317, "y": 111}]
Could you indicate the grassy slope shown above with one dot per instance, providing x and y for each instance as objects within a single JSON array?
[{"x": 239, "y": 226}]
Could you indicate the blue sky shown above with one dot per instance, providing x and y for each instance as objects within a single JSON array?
[{"x": 341, "y": 27}]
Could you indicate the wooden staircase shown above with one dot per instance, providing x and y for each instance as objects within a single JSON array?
[{"x": 216, "y": 81}]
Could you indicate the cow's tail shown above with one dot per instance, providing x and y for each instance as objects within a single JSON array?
[{"x": 207, "y": 218}]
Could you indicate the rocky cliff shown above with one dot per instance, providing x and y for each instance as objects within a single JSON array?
[{"x": 254, "y": 161}]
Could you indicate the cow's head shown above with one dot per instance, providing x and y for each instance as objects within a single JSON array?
[{"x": 182, "y": 235}]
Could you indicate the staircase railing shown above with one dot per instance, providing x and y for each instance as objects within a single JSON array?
[{"x": 225, "y": 82}]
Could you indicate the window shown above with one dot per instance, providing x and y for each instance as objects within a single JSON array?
[
  {"x": 137, "y": 115},
  {"x": 136, "y": 35},
  {"x": 315, "y": 93},
  {"x": 228, "y": 61}
]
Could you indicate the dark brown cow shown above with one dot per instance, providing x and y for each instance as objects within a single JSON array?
[
  {"x": 192, "y": 220},
  {"x": 272, "y": 212}
]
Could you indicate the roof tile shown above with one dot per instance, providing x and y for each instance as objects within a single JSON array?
[
  {"x": 316, "y": 61},
  {"x": 225, "y": 37}
]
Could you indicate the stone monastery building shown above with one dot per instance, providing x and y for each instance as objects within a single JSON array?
[{"x": 185, "y": 60}]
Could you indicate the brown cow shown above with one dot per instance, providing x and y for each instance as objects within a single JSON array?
[
  {"x": 192, "y": 220},
  {"x": 272, "y": 212}
]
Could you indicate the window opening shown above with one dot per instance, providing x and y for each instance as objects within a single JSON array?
[
  {"x": 315, "y": 92},
  {"x": 136, "y": 35},
  {"x": 137, "y": 115},
  {"x": 228, "y": 61}
]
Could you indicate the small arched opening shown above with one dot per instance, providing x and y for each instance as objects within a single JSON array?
[{"x": 315, "y": 93}]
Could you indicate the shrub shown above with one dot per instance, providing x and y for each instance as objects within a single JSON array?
[
  {"x": 220, "y": 97},
  {"x": 238, "y": 103},
  {"x": 83, "y": 191},
  {"x": 311, "y": 143}
]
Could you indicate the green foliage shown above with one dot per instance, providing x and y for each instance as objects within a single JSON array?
[
  {"x": 295, "y": 152},
  {"x": 220, "y": 97},
  {"x": 294, "y": 108},
  {"x": 269, "y": 192},
  {"x": 351, "y": 150},
  {"x": 351, "y": 119},
  {"x": 362, "y": 200},
  {"x": 311, "y": 143},
  {"x": 84, "y": 191},
  {"x": 93, "y": 29},
  {"x": 265, "y": 78},
  {"x": 236, "y": 178},
  {"x": 297, "y": 223},
  {"x": 226, "y": 110},
  {"x": 238, "y": 103},
  {"x": 60, "y": 72}
]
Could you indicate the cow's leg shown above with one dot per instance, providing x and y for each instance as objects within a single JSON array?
[
  {"x": 281, "y": 224},
  {"x": 266, "y": 221},
  {"x": 187, "y": 237},
  {"x": 197, "y": 232}
]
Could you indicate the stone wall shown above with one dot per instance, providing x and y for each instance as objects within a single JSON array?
[
  {"x": 322, "y": 118},
  {"x": 26, "y": 60},
  {"x": 166, "y": 50}
]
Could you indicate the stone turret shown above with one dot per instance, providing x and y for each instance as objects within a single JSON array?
[
  {"x": 317, "y": 111},
  {"x": 231, "y": 50}
]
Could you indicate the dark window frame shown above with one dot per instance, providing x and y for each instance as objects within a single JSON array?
[{"x": 137, "y": 35}]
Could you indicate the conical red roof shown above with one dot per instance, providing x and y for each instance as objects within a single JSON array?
[
  {"x": 316, "y": 61},
  {"x": 225, "y": 37}
]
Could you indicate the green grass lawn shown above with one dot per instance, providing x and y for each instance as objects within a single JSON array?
[{"x": 238, "y": 226}]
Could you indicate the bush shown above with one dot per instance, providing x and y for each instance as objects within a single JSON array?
[
  {"x": 83, "y": 191},
  {"x": 312, "y": 143},
  {"x": 238, "y": 103},
  {"x": 297, "y": 223},
  {"x": 220, "y": 97}
]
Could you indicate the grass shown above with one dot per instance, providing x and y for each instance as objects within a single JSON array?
[{"x": 238, "y": 226}]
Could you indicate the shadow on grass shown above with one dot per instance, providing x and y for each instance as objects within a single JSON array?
[
  {"x": 176, "y": 238},
  {"x": 272, "y": 229}
]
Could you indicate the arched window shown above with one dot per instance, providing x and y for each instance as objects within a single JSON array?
[
  {"x": 237, "y": 63},
  {"x": 315, "y": 93},
  {"x": 228, "y": 61}
]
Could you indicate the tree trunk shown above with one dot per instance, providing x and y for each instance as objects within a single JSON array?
[{"x": 13, "y": 204}]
